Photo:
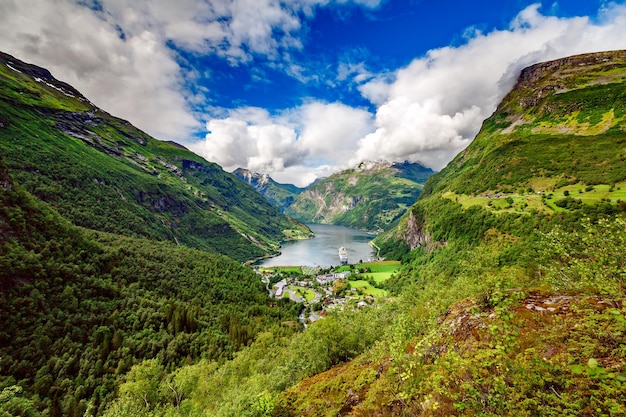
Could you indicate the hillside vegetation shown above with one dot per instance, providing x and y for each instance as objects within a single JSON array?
[
  {"x": 79, "y": 308},
  {"x": 509, "y": 300},
  {"x": 370, "y": 197},
  {"x": 498, "y": 310},
  {"x": 102, "y": 173}
]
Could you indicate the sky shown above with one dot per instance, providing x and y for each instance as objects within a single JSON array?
[{"x": 299, "y": 89}]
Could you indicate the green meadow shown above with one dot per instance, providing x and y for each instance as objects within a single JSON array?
[{"x": 542, "y": 199}]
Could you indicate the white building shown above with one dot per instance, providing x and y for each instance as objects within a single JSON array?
[{"x": 279, "y": 288}]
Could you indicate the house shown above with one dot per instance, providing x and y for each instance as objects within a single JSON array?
[
  {"x": 279, "y": 288},
  {"x": 328, "y": 279},
  {"x": 325, "y": 279}
]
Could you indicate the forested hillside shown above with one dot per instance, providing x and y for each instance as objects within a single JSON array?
[
  {"x": 102, "y": 173},
  {"x": 79, "y": 308},
  {"x": 510, "y": 299}
]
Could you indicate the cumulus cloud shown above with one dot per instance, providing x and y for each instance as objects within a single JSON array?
[
  {"x": 294, "y": 146},
  {"x": 118, "y": 53},
  {"x": 433, "y": 108},
  {"x": 135, "y": 77}
]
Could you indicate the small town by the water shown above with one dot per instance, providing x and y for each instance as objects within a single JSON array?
[{"x": 323, "y": 289}]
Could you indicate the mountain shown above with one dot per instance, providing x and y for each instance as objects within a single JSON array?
[
  {"x": 554, "y": 145},
  {"x": 513, "y": 292},
  {"x": 510, "y": 299},
  {"x": 279, "y": 195},
  {"x": 371, "y": 196},
  {"x": 102, "y": 173}
]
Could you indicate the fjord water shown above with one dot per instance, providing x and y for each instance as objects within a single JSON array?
[{"x": 323, "y": 249}]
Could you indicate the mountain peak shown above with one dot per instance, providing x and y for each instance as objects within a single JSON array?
[
  {"x": 373, "y": 165},
  {"x": 42, "y": 76},
  {"x": 280, "y": 195},
  {"x": 250, "y": 176}
]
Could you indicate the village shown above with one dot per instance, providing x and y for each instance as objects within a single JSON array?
[{"x": 320, "y": 290}]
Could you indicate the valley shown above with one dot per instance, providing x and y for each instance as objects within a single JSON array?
[{"x": 125, "y": 289}]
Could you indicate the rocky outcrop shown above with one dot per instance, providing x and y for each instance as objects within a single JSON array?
[
  {"x": 543, "y": 79},
  {"x": 415, "y": 235},
  {"x": 6, "y": 183}
]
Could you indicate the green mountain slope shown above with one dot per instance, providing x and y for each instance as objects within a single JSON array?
[
  {"x": 102, "y": 173},
  {"x": 279, "y": 195},
  {"x": 79, "y": 308},
  {"x": 510, "y": 300},
  {"x": 511, "y": 296},
  {"x": 371, "y": 196},
  {"x": 555, "y": 146},
  {"x": 515, "y": 275}
]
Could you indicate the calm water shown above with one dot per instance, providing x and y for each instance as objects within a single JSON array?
[{"x": 323, "y": 249}]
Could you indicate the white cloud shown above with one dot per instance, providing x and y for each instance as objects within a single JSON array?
[
  {"x": 295, "y": 146},
  {"x": 434, "y": 107},
  {"x": 428, "y": 111},
  {"x": 117, "y": 52},
  {"x": 136, "y": 78}
]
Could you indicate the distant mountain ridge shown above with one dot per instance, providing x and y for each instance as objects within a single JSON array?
[
  {"x": 280, "y": 195},
  {"x": 370, "y": 196},
  {"x": 102, "y": 173}
]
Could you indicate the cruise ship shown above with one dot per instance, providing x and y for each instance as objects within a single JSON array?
[{"x": 343, "y": 256}]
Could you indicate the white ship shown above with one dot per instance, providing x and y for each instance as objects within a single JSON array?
[{"x": 343, "y": 256}]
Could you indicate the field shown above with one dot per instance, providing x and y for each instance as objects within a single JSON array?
[
  {"x": 380, "y": 272},
  {"x": 542, "y": 199},
  {"x": 285, "y": 269},
  {"x": 384, "y": 266},
  {"x": 367, "y": 288},
  {"x": 306, "y": 293}
]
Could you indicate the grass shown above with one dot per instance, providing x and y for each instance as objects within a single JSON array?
[
  {"x": 306, "y": 293},
  {"x": 380, "y": 276},
  {"x": 367, "y": 288},
  {"x": 527, "y": 202},
  {"x": 309, "y": 294},
  {"x": 383, "y": 266}
]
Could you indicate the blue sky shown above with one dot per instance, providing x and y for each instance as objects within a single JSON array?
[
  {"x": 383, "y": 38},
  {"x": 301, "y": 88}
]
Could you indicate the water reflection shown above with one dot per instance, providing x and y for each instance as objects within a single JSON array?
[{"x": 323, "y": 249}]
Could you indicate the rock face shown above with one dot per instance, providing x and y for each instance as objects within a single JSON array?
[
  {"x": 280, "y": 195},
  {"x": 370, "y": 196},
  {"x": 415, "y": 235}
]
